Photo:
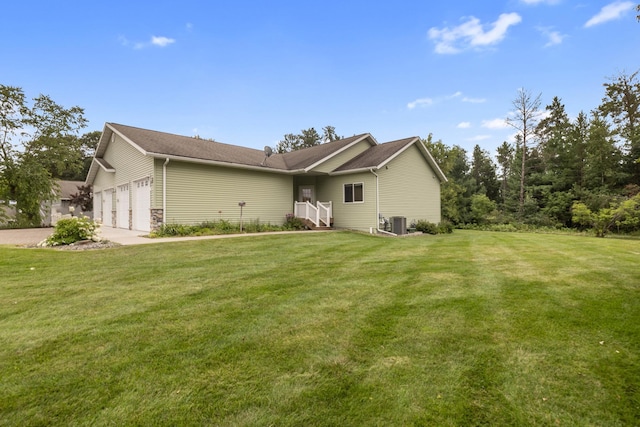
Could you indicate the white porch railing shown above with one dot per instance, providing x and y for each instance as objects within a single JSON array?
[{"x": 319, "y": 215}]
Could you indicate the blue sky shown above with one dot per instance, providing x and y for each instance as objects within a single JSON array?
[{"x": 248, "y": 72}]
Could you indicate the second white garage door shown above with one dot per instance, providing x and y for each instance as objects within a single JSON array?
[
  {"x": 122, "y": 206},
  {"x": 142, "y": 205}
]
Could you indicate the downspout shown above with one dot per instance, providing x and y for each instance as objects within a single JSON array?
[
  {"x": 378, "y": 205},
  {"x": 164, "y": 191}
]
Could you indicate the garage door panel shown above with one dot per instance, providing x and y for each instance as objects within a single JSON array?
[
  {"x": 122, "y": 206},
  {"x": 97, "y": 206},
  {"x": 142, "y": 205},
  {"x": 107, "y": 207}
]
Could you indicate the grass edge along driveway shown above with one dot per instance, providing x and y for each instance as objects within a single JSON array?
[{"x": 328, "y": 329}]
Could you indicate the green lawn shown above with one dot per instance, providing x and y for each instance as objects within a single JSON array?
[{"x": 335, "y": 329}]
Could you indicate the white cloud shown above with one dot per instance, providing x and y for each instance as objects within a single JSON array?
[
  {"x": 495, "y": 124},
  {"x": 425, "y": 102},
  {"x": 161, "y": 41},
  {"x": 421, "y": 102},
  {"x": 479, "y": 138},
  {"x": 472, "y": 34},
  {"x": 610, "y": 12},
  {"x": 155, "y": 41},
  {"x": 474, "y": 100},
  {"x": 464, "y": 125},
  {"x": 554, "y": 37}
]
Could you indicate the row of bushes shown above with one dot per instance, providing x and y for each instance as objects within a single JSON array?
[
  {"x": 68, "y": 231},
  {"x": 444, "y": 227},
  {"x": 222, "y": 226}
]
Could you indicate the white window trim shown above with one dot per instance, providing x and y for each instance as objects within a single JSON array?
[{"x": 353, "y": 184}]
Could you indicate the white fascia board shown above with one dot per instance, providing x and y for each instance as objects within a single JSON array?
[
  {"x": 127, "y": 140},
  {"x": 432, "y": 162},
  {"x": 103, "y": 141},
  {"x": 397, "y": 153}
]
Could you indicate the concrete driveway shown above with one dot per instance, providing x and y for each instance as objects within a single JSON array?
[
  {"x": 32, "y": 236},
  {"x": 24, "y": 237}
]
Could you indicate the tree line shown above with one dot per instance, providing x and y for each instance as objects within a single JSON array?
[{"x": 581, "y": 172}]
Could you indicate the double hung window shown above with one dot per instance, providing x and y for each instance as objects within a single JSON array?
[{"x": 353, "y": 193}]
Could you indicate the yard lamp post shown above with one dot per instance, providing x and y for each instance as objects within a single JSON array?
[{"x": 241, "y": 204}]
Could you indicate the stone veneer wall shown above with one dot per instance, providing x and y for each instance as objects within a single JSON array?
[{"x": 157, "y": 219}]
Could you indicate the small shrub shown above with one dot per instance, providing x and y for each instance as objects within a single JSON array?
[
  {"x": 426, "y": 227},
  {"x": 226, "y": 227},
  {"x": 445, "y": 227},
  {"x": 293, "y": 223},
  {"x": 71, "y": 230},
  {"x": 174, "y": 230}
]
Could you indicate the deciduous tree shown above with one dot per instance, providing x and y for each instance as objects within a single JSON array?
[
  {"x": 524, "y": 119},
  {"x": 36, "y": 142},
  {"x": 621, "y": 104}
]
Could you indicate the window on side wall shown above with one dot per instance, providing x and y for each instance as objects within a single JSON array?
[{"x": 353, "y": 193}]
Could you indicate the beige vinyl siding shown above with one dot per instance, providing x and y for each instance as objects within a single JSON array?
[
  {"x": 343, "y": 157},
  {"x": 409, "y": 188},
  {"x": 356, "y": 216},
  {"x": 197, "y": 193},
  {"x": 156, "y": 186},
  {"x": 129, "y": 163},
  {"x": 103, "y": 180}
]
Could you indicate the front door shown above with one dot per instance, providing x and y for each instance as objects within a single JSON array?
[{"x": 306, "y": 193}]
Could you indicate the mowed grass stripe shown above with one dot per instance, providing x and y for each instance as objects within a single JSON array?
[{"x": 324, "y": 329}]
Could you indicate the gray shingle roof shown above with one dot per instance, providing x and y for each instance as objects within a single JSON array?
[
  {"x": 161, "y": 143},
  {"x": 306, "y": 157},
  {"x": 375, "y": 155},
  {"x": 67, "y": 188}
]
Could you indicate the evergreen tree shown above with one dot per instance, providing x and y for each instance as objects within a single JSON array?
[
  {"x": 603, "y": 157},
  {"x": 483, "y": 172},
  {"x": 554, "y": 146},
  {"x": 505, "y": 161}
]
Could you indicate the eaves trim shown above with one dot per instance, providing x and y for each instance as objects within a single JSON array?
[{"x": 224, "y": 164}]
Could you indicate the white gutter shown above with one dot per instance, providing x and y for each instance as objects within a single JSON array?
[
  {"x": 164, "y": 191},
  {"x": 225, "y": 164}
]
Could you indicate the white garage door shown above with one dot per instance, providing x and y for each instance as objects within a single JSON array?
[
  {"x": 142, "y": 205},
  {"x": 97, "y": 206},
  {"x": 107, "y": 208},
  {"x": 122, "y": 206}
]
